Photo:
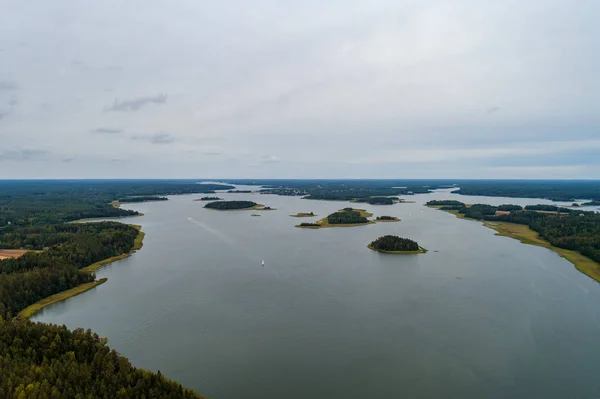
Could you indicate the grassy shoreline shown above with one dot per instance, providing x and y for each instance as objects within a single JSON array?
[
  {"x": 303, "y": 215},
  {"x": 81, "y": 288},
  {"x": 324, "y": 223},
  {"x": 61, "y": 296},
  {"x": 525, "y": 235},
  {"x": 420, "y": 251}
]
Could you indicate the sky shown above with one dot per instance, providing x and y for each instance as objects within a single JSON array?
[{"x": 300, "y": 89}]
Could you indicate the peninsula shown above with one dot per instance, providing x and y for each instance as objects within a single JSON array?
[
  {"x": 573, "y": 234},
  {"x": 390, "y": 244}
]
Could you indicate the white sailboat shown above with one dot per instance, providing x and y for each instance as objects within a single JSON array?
[{"x": 263, "y": 262}]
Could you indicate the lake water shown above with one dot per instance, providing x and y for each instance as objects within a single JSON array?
[{"x": 477, "y": 316}]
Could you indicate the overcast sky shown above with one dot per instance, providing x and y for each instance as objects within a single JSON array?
[{"x": 300, "y": 89}]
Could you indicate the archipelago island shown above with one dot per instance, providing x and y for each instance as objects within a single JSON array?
[
  {"x": 237, "y": 205},
  {"x": 390, "y": 244}
]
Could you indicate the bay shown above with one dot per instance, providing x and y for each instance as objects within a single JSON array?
[{"x": 477, "y": 316}]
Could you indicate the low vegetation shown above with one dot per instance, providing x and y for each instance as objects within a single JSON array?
[
  {"x": 395, "y": 244},
  {"x": 304, "y": 215}
]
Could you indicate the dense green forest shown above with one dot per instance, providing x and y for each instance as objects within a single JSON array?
[
  {"x": 69, "y": 247},
  {"x": 240, "y": 191},
  {"x": 394, "y": 243},
  {"x": 45, "y": 361},
  {"x": 226, "y": 205},
  {"x": 307, "y": 224},
  {"x": 385, "y": 218},
  {"x": 444, "y": 203},
  {"x": 509, "y": 207},
  {"x": 142, "y": 199},
  {"x": 39, "y": 202},
  {"x": 339, "y": 189},
  {"x": 570, "y": 229},
  {"x": 48, "y": 361},
  {"x": 211, "y": 199},
  {"x": 556, "y": 190},
  {"x": 379, "y": 200},
  {"x": 346, "y": 217}
]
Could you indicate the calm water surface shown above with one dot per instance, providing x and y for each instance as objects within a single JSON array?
[{"x": 477, "y": 316}]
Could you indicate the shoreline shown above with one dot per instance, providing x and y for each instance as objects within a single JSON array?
[
  {"x": 420, "y": 251},
  {"x": 81, "y": 288},
  {"x": 525, "y": 235},
  {"x": 58, "y": 297},
  {"x": 324, "y": 223}
]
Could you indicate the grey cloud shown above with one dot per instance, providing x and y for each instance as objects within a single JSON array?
[
  {"x": 22, "y": 155},
  {"x": 4, "y": 85},
  {"x": 107, "y": 130},
  {"x": 3, "y": 113},
  {"x": 68, "y": 159},
  {"x": 136, "y": 103},
  {"x": 13, "y": 101},
  {"x": 491, "y": 110},
  {"x": 156, "y": 138},
  {"x": 270, "y": 159}
]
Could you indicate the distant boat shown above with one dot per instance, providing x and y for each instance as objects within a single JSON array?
[{"x": 263, "y": 262}]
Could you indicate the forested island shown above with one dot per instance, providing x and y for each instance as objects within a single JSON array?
[
  {"x": 209, "y": 199},
  {"x": 347, "y": 217},
  {"x": 379, "y": 200},
  {"x": 147, "y": 198},
  {"x": 573, "y": 234},
  {"x": 46, "y": 361},
  {"x": 239, "y": 191},
  {"x": 387, "y": 219},
  {"x": 396, "y": 245},
  {"x": 237, "y": 205}
]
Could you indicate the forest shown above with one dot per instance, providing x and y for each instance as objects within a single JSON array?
[
  {"x": 555, "y": 190},
  {"x": 394, "y": 244},
  {"x": 227, "y": 205},
  {"x": 47, "y": 361},
  {"x": 39, "y": 202},
  {"x": 210, "y": 199},
  {"x": 591, "y": 203},
  {"x": 385, "y": 218},
  {"x": 569, "y": 229},
  {"x": 40, "y": 360},
  {"x": 67, "y": 248},
  {"x": 379, "y": 200},
  {"x": 339, "y": 189},
  {"x": 346, "y": 217}
]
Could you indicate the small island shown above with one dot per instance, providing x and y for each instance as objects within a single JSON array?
[
  {"x": 209, "y": 199},
  {"x": 303, "y": 215},
  {"x": 347, "y": 217},
  {"x": 239, "y": 191},
  {"x": 387, "y": 219},
  {"x": 390, "y": 244},
  {"x": 237, "y": 205}
]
